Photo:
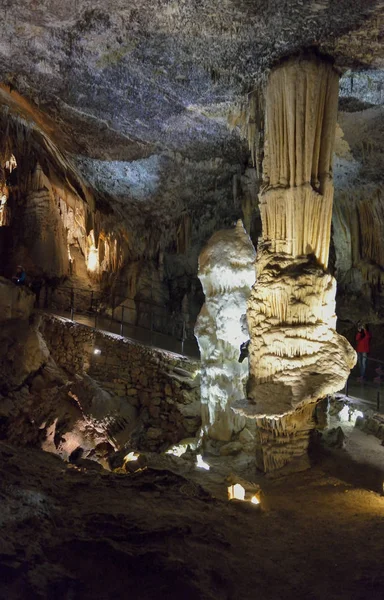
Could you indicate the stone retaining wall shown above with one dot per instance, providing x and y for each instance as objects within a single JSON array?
[
  {"x": 372, "y": 423},
  {"x": 164, "y": 388}
]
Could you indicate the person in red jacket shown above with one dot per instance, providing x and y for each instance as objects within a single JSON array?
[{"x": 363, "y": 339}]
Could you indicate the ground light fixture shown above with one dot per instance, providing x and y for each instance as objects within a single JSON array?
[
  {"x": 131, "y": 457},
  {"x": 201, "y": 464},
  {"x": 238, "y": 492}
]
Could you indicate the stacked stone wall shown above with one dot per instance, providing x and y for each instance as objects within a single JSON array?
[{"x": 164, "y": 387}]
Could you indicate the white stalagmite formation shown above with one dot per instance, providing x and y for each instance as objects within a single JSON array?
[
  {"x": 227, "y": 273},
  {"x": 296, "y": 356}
]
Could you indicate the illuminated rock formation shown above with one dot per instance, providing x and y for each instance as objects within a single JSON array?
[
  {"x": 227, "y": 272},
  {"x": 296, "y": 356}
]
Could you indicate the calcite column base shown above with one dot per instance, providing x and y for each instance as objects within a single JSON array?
[{"x": 282, "y": 443}]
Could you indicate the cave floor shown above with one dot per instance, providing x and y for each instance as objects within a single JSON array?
[{"x": 76, "y": 533}]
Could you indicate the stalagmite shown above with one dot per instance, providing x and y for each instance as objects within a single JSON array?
[
  {"x": 296, "y": 356},
  {"x": 227, "y": 273}
]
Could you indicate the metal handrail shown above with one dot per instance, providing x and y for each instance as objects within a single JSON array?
[
  {"x": 100, "y": 296},
  {"x": 375, "y": 360},
  {"x": 145, "y": 310},
  {"x": 150, "y": 330}
]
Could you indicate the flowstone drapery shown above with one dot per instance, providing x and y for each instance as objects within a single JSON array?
[
  {"x": 227, "y": 273},
  {"x": 296, "y": 356}
]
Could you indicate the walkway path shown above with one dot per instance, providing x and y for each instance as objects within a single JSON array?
[
  {"x": 365, "y": 394},
  {"x": 187, "y": 348}
]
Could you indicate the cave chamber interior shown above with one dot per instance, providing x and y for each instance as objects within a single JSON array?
[{"x": 191, "y": 233}]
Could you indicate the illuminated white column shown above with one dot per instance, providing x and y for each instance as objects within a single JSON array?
[{"x": 227, "y": 273}]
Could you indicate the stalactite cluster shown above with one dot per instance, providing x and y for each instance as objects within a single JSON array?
[
  {"x": 358, "y": 224},
  {"x": 249, "y": 117},
  {"x": 43, "y": 191}
]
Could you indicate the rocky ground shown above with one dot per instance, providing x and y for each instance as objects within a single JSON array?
[{"x": 168, "y": 531}]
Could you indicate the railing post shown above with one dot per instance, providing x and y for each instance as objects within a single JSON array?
[
  {"x": 96, "y": 319},
  {"x": 72, "y": 302},
  {"x": 151, "y": 320},
  {"x": 122, "y": 322},
  {"x": 346, "y": 388},
  {"x": 91, "y": 307},
  {"x": 183, "y": 337},
  {"x": 378, "y": 401},
  {"x": 113, "y": 308}
]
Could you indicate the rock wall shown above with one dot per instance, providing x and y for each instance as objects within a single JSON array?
[
  {"x": 162, "y": 387},
  {"x": 16, "y": 302},
  {"x": 358, "y": 216}
]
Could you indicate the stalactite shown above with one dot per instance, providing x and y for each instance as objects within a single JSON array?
[
  {"x": 183, "y": 234},
  {"x": 249, "y": 117}
]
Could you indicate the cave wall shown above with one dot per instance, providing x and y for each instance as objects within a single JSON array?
[
  {"x": 140, "y": 244},
  {"x": 358, "y": 216}
]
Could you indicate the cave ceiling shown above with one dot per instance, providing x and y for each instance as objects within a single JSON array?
[{"x": 111, "y": 82}]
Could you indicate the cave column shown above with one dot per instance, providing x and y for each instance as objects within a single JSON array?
[{"x": 295, "y": 355}]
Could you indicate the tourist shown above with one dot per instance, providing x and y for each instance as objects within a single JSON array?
[
  {"x": 363, "y": 338},
  {"x": 36, "y": 286},
  {"x": 19, "y": 278},
  {"x": 244, "y": 351}
]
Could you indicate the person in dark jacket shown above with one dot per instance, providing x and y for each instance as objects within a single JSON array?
[
  {"x": 363, "y": 340},
  {"x": 244, "y": 351},
  {"x": 20, "y": 276}
]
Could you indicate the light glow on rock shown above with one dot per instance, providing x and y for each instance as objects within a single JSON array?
[
  {"x": 349, "y": 414},
  {"x": 93, "y": 258},
  {"x": 131, "y": 457},
  {"x": 227, "y": 273},
  {"x": 255, "y": 500},
  {"x": 181, "y": 448},
  {"x": 201, "y": 464}
]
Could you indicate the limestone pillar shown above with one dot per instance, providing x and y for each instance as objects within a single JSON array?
[{"x": 296, "y": 356}]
